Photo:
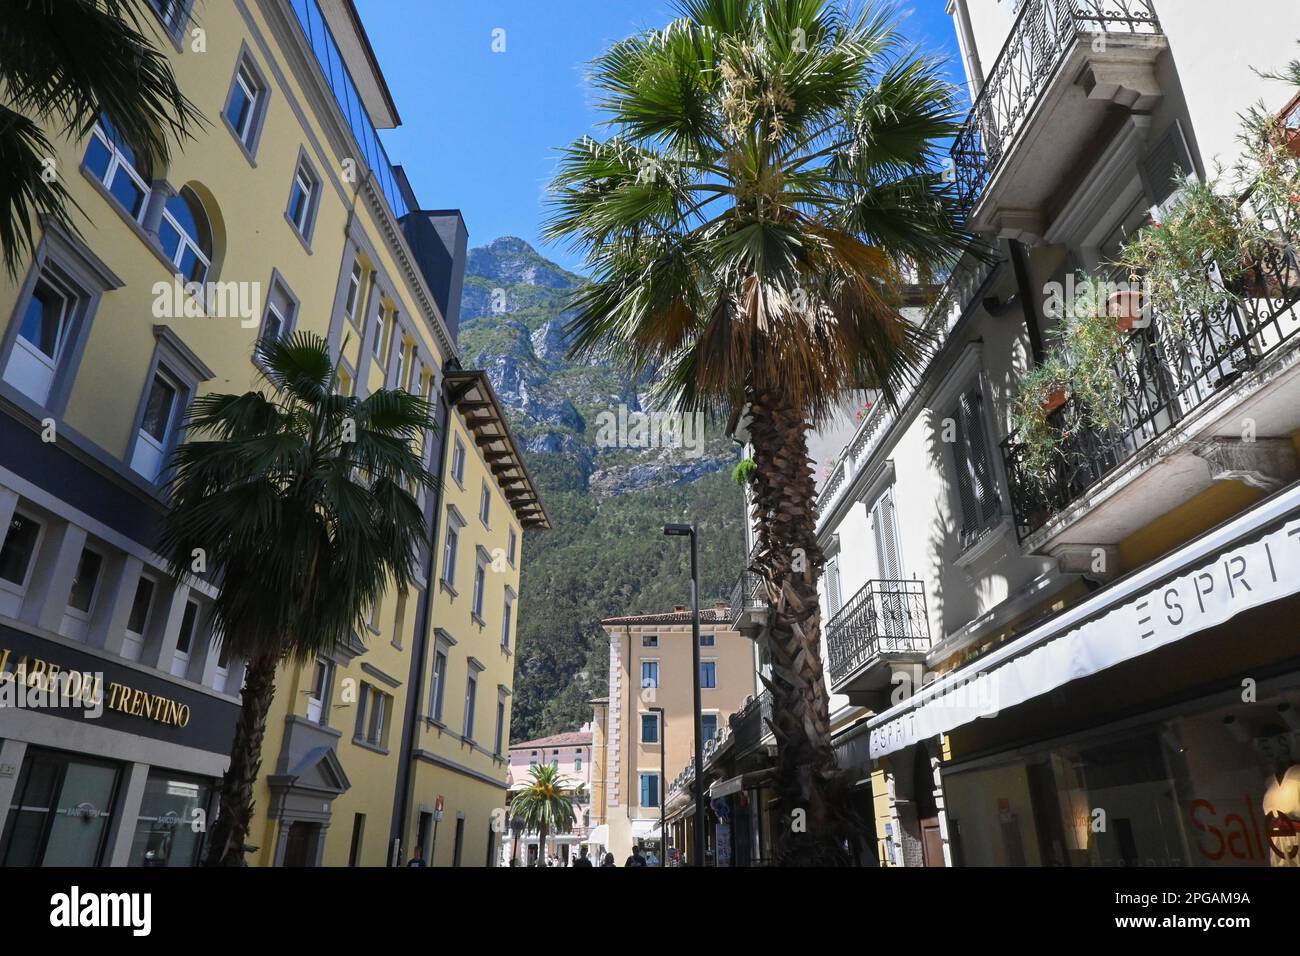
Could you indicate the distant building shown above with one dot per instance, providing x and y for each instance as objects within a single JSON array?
[
  {"x": 572, "y": 753},
  {"x": 650, "y": 667}
]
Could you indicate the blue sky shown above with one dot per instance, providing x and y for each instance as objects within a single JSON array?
[{"x": 480, "y": 128}]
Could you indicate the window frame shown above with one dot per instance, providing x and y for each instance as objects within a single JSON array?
[
  {"x": 20, "y": 589},
  {"x": 117, "y": 162},
  {"x": 186, "y": 370},
  {"x": 658, "y": 736},
  {"x": 709, "y": 665},
  {"x": 304, "y": 173},
  {"x": 653, "y": 662},
  {"x": 259, "y": 95}
]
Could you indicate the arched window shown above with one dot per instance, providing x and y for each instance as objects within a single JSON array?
[
  {"x": 113, "y": 162},
  {"x": 186, "y": 236}
]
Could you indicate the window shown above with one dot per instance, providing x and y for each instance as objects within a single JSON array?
[
  {"x": 471, "y": 693},
  {"x": 577, "y": 764},
  {"x": 186, "y": 236},
  {"x": 401, "y": 362},
  {"x": 61, "y": 810},
  {"x": 281, "y": 310},
  {"x": 302, "y": 200},
  {"x": 501, "y": 726},
  {"x": 649, "y": 673},
  {"x": 449, "y": 554},
  {"x": 45, "y": 334},
  {"x": 532, "y": 759},
  {"x": 158, "y": 425},
  {"x": 164, "y": 832},
  {"x": 649, "y": 640},
  {"x": 884, "y": 524},
  {"x": 706, "y": 639},
  {"x": 512, "y": 542},
  {"x": 18, "y": 550},
  {"x": 185, "y": 639},
  {"x": 381, "y": 331},
  {"x": 649, "y": 728},
  {"x": 246, "y": 105},
  {"x": 439, "y": 683},
  {"x": 708, "y": 674},
  {"x": 372, "y": 716},
  {"x": 171, "y": 13},
  {"x": 506, "y": 615},
  {"x": 353, "y": 299},
  {"x": 834, "y": 597},
  {"x": 458, "y": 462},
  {"x": 480, "y": 585},
  {"x": 976, "y": 486},
  {"x": 708, "y": 726},
  {"x": 358, "y": 834},
  {"x": 649, "y": 790},
  {"x": 485, "y": 504},
  {"x": 86, "y": 579},
  {"x": 138, "y": 619},
  {"x": 113, "y": 162},
  {"x": 317, "y": 710}
]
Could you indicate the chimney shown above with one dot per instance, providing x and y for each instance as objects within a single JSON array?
[
  {"x": 721, "y": 607},
  {"x": 679, "y": 608}
]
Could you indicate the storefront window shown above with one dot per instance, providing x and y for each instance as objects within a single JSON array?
[
  {"x": 165, "y": 831},
  {"x": 60, "y": 812},
  {"x": 1215, "y": 788}
]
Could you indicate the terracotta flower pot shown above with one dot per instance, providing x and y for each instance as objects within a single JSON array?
[
  {"x": 1053, "y": 401},
  {"x": 1126, "y": 309}
]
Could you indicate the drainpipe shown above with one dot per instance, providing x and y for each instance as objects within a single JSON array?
[
  {"x": 1028, "y": 300},
  {"x": 419, "y": 645},
  {"x": 958, "y": 10}
]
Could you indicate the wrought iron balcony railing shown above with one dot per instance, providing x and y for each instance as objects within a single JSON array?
[
  {"x": 884, "y": 616},
  {"x": 748, "y": 593},
  {"x": 1171, "y": 367},
  {"x": 748, "y": 725},
  {"x": 1044, "y": 31}
]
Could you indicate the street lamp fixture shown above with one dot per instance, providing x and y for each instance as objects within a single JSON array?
[{"x": 677, "y": 531}]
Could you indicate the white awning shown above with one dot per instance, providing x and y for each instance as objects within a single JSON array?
[
  {"x": 1250, "y": 561},
  {"x": 599, "y": 835},
  {"x": 642, "y": 829}
]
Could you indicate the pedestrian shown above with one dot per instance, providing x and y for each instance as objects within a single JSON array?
[
  {"x": 582, "y": 859},
  {"x": 608, "y": 861},
  {"x": 418, "y": 859},
  {"x": 636, "y": 859}
]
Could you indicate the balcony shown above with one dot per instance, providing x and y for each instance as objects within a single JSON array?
[
  {"x": 748, "y": 600},
  {"x": 749, "y": 724},
  {"x": 1051, "y": 89},
  {"x": 883, "y": 625},
  {"x": 1187, "y": 399}
]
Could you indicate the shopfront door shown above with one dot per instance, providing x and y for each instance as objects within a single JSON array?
[{"x": 61, "y": 811}]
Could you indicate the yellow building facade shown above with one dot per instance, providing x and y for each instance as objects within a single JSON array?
[{"x": 281, "y": 214}]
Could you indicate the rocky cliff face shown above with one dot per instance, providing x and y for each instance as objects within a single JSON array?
[
  {"x": 611, "y": 473},
  {"x": 513, "y": 321}
]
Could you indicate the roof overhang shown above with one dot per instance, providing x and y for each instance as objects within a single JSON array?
[
  {"x": 345, "y": 24},
  {"x": 471, "y": 394}
]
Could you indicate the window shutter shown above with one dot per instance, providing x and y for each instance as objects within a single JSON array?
[
  {"x": 978, "y": 491},
  {"x": 834, "y": 599},
  {"x": 891, "y": 564}
]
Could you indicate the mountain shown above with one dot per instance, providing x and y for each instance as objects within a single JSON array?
[{"x": 612, "y": 470}]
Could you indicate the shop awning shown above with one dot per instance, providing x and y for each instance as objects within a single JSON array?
[
  {"x": 1248, "y": 562},
  {"x": 599, "y": 835},
  {"x": 745, "y": 781},
  {"x": 643, "y": 829}
]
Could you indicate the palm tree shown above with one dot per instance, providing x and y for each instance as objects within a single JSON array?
[
  {"x": 545, "y": 805},
  {"x": 301, "y": 503},
  {"x": 772, "y": 168},
  {"x": 64, "y": 65}
]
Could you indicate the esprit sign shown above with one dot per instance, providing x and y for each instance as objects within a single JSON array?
[{"x": 1247, "y": 576}]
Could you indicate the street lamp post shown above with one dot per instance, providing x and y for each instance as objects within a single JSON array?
[
  {"x": 684, "y": 530},
  {"x": 663, "y": 783}
]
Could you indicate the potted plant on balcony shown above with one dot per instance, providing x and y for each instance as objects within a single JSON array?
[
  {"x": 1268, "y": 173},
  {"x": 1044, "y": 391},
  {"x": 1188, "y": 258},
  {"x": 1093, "y": 347}
]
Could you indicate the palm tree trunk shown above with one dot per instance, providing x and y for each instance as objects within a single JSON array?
[
  {"x": 785, "y": 518},
  {"x": 541, "y": 846},
  {"x": 235, "y": 811}
]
